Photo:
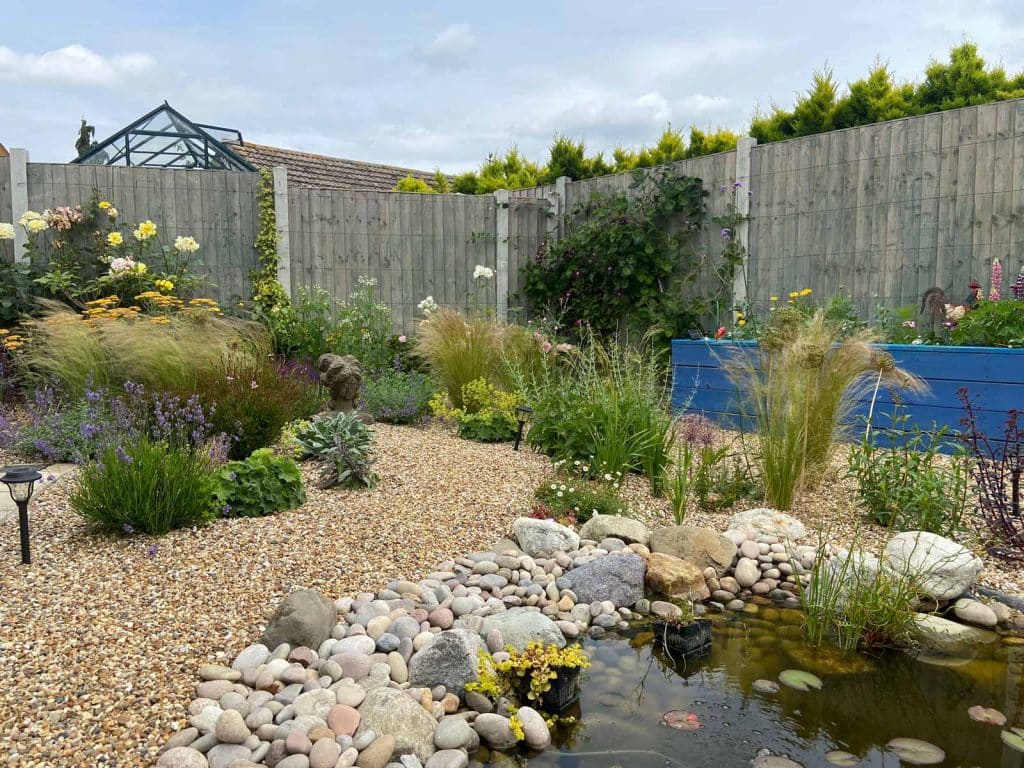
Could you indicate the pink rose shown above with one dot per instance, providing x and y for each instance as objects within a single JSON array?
[{"x": 401, "y": 339}]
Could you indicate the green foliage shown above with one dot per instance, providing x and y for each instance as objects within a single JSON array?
[
  {"x": 342, "y": 443},
  {"x": 604, "y": 402},
  {"x": 905, "y": 483},
  {"x": 569, "y": 158},
  {"x": 267, "y": 293},
  {"x": 672, "y": 146},
  {"x": 398, "y": 397},
  {"x": 314, "y": 325},
  {"x": 625, "y": 260},
  {"x": 251, "y": 400},
  {"x": 991, "y": 324},
  {"x": 577, "y": 500},
  {"x": 145, "y": 487},
  {"x": 259, "y": 485},
  {"x": 16, "y": 295},
  {"x": 412, "y": 183},
  {"x": 799, "y": 389},
  {"x": 899, "y": 325},
  {"x": 964, "y": 80},
  {"x": 487, "y": 414},
  {"x": 855, "y": 605}
]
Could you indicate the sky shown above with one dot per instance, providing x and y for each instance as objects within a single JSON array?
[{"x": 441, "y": 85}]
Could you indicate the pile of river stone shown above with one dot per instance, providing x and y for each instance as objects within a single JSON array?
[{"x": 380, "y": 680}]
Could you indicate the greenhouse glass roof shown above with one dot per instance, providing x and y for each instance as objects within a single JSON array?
[{"x": 165, "y": 138}]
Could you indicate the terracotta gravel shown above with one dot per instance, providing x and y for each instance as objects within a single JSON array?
[{"x": 100, "y": 641}]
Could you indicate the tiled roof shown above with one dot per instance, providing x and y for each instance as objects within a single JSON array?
[{"x": 308, "y": 170}]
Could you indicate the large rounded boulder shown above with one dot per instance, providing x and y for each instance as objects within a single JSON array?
[{"x": 701, "y": 546}]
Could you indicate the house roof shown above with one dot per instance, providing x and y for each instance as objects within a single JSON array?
[{"x": 309, "y": 170}]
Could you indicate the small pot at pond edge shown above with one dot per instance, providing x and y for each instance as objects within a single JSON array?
[
  {"x": 565, "y": 689},
  {"x": 693, "y": 639}
]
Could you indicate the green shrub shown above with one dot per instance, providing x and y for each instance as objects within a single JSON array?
[
  {"x": 799, "y": 390},
  {"x": 605, "y": 402},
  {"x": 262, "y": 484},
  {"x": 991, "y": 324},
  {"x": 314, "y": 325},
  {"x": 906, "y": 484},
  {"x": 342, "y": 444},
  {"x": 398, "y": 397},
  {"x": 487, "y": 414},
  {"x": 145, "y": 487},
  {"x": 251, "y": 400},
  {"x": 579, "y": 498}
]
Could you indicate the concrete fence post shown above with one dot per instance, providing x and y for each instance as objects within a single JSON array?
[
  {"x": 284, "y": 259},
  {"x": 19, "y": 200},
  {"x": 501, "y": 232},
  {"x": 561, "y": 204},
  {"x": 744, "y": 148}
]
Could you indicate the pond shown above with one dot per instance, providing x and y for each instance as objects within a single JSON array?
[{"x": 864, "y": 703}]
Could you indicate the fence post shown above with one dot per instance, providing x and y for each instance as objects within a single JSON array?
[
  {"x": 560, "y": 203},
  {"x": 502, "y": 209},
  {"x": 744, "y": 147},
  {"x": 284, "y": 259},
  {"x": 19, "y": 200}
]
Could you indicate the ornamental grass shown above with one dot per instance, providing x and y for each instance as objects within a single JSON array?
[{"x": 799, "y": 389}]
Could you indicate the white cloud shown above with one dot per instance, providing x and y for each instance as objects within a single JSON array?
[
  {"x": 700, "y": 104},
  {"x": 572, "y": 108},
  {"x": 452, "y": 46},
  {"x": 678, "y": 57},
  {"x": 71, "y": 65}
]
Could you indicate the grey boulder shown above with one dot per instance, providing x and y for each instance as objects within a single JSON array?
[
  {"x": 391, "y": 712},
  {"x": 618, "y": 578},
  {"x": 600, "y": 527},
  {"x": 520, "y": 627},
  {"x": 451, "y": 661},
  {"x": 303, "y": 618}
]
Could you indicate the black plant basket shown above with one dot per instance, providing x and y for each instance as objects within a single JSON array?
[
  {"x": 565, "y": 689},
  {"x": 687, "y": 640}
]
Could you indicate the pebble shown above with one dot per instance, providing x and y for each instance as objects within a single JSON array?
[
  {"x": 447, "y": 758},
  {"x": 231, "y": 728},
  {"x": 378, "y": 753},
  {"x": 325, "y": 753}
]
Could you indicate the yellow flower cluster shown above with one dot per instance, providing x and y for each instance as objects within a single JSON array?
[
  {"x": 164, "y": 285},
  {"x": 115, "y": 239},
  {"x": 107, "y": 309},
  {"x": 205, "y": 305},
  {"x": 11, "y": 341},
  {"x": 741, "y": 320},
  {"x": 161, "y": 300}
]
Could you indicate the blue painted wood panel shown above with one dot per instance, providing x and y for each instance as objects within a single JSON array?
[{"x": 994, "y": 376}]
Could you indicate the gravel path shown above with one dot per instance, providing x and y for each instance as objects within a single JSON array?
[{"x": 100, "y": 640}]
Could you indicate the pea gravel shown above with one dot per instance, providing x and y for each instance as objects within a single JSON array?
[
  {"x": 101, "y": 638},
  {"x": 100, "y": 641}
]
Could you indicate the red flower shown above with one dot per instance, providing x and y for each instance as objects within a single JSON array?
[{"x": 720, "y": 332}]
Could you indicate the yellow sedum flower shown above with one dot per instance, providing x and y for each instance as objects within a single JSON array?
[{"x": 115, "y": 239}]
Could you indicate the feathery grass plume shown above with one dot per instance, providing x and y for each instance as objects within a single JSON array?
[
  {"x": 799, "y": 389},
  {"x": 169, "y": 355}
]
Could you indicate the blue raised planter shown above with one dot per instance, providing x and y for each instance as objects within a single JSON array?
[{"x": 994, "y": 375}]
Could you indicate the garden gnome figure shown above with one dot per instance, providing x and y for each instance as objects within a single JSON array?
[{"x": 341, "y": 375}]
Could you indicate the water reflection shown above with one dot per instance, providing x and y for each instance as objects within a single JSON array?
[{"x": 865, "y": 702}]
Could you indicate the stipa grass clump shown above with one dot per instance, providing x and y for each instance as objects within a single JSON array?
[{"x": 799, "y": 390}]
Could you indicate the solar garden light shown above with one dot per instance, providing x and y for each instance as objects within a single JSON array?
[
  {"x": 523, "y": 415},
  {"x": 20, "y": 481}
]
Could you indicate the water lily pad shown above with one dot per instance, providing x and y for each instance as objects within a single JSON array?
[
  {"x": 797, "y": 678},
  {"x": 765, "y": 686},
  {"x": 916, "y": 752},
  {"x": 774, "y": 761},
  {"x": 1014, "y": 738},
  {"x": 841, "y": 758},
  {"x": 681, "y": 720},
  {"x": 987, "y": 715}
]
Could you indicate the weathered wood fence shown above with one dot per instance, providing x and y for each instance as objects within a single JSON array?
[{"x": 881, "y": 212}]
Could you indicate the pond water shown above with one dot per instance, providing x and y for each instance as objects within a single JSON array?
[{"x": 865, "y": 702}]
